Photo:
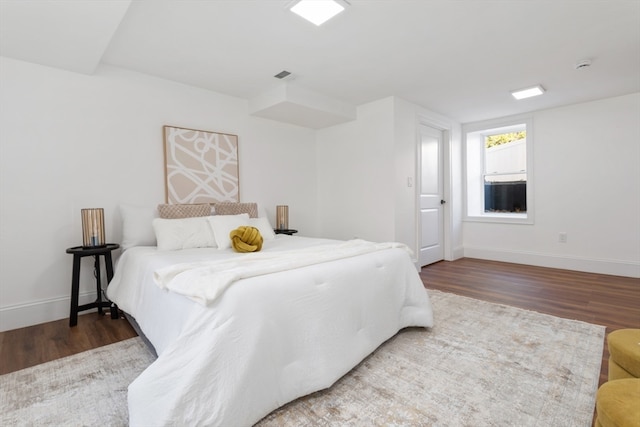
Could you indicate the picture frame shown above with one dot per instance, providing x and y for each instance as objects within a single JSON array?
[{"x": 200, "y": 166}]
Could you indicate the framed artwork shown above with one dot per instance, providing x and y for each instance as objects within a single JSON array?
[{"x": 200, "y": 166}]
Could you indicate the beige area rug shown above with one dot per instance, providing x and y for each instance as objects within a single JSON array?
[
  {"x": 483, "y": 364},
  {"x": 86, "y": 389}
]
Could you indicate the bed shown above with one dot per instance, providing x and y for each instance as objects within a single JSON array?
[{"x": 279, "y": 324}]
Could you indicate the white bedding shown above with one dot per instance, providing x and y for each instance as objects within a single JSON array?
[{"x": 267, "y": 339}]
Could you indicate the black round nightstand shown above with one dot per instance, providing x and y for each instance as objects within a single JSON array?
[
  {"x": 78, "y": 253},
  {"x": 285, "y": 231}
]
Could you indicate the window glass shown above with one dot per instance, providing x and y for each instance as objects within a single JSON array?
[
  {"x": 505, "y": 172},
  {"x": 498, "y": 171}
]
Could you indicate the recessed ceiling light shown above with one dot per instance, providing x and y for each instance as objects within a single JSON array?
[
  {"x": 318, "y": 11},
  {"x": 528, "y": 92}
]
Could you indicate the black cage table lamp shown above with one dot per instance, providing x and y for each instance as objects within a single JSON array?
[
  {"x": 93, "y": 244},
  {"x": 282, "y": 221},
  {"x": 92, "y": 227}
]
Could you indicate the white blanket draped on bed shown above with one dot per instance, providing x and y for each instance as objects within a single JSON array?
[
  {"x": 205, "y": 281},
  {"x": 267, "y": 339}
]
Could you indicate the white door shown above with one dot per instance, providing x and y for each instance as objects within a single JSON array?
[{"x": 431, "y": 203}]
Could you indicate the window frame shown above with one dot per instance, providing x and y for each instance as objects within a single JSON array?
[{"x": 474, "y": 169}]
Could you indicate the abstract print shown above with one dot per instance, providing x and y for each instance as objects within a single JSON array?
[{"x": 200, "y": 166}]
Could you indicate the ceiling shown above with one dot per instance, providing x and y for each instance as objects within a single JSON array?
[{"x": 459, "y": 58}]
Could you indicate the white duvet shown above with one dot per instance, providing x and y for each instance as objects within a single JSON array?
[{"x": 265, "y": 339}]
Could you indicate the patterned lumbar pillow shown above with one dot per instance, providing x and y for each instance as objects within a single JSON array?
[
  {"x": 229, "y": 208},
  {"x": 184, "y": 210},
  {"x": 246, "y": 239}
]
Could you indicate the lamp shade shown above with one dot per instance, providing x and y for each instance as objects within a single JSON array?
[
  {"x": 282, "y": 217},
  {"x": 92, "y": 227}
]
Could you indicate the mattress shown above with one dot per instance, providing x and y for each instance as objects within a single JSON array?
[{"x": 267, "y": 338}]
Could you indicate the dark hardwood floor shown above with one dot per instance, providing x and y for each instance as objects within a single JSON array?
[
  {"x": 611, "y": 301},
  {"x": 25, "y": 347}
]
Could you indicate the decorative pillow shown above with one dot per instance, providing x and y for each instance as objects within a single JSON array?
[
  {"x": 183, "y": 233},
  {"x": 264, "y": 226},
  {"x": 228, "y": 208},
  {"x": 184, "y": 210},
  {"x": 246, "y": 239},
  {"x": 222, "y": 226},
  {"x": 137, "y": 228}
]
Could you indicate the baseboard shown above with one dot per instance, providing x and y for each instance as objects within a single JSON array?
[
  {"x": 457, "y": 253},
  {"x": 589, "y": 265},
  {"x": 33, "y": 313}
]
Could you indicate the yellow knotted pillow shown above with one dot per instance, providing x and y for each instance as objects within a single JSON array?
[{"x": 246, "y": 239}]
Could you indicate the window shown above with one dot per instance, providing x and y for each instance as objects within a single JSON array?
[{"x": 499, "y": 171}]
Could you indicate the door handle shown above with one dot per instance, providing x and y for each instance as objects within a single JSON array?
[{"x": 442, "y": 202}]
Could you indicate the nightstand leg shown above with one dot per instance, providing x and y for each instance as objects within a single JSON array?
[
  {"x": 75, "y": 289},
  {"x": 114, "y": 311},
  {"x": 96, "y": 267}
]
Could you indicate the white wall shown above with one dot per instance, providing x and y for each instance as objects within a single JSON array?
[
  {"x": 70, "y": 141},
  {"x": 363, "y": 167},
  {"x": 356, "y": 175},
  {"x": 587, "y": 184}
]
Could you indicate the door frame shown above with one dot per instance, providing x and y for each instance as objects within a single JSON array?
[{"x": 446, "y": 128}]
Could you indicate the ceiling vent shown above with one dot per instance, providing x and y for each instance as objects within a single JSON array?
[
  {"x": 583, "y": 64},
  {"x": 282, "y": 74}
]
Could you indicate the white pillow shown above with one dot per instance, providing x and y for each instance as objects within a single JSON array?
[
  {"x": 264, "y": 226},
  {"x": 183, "y": 233},
  {"x": 137, "y": 229},
  {"x": 222, "y": 225}
]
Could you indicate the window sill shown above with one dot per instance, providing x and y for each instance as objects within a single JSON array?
[{"x": 504, "y": 218}]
